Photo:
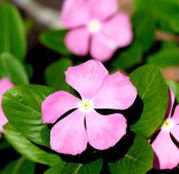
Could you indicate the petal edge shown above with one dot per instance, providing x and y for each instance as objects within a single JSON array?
[
  {"x": 105, "y": 131},
  {"x": 56, "y": 104}
]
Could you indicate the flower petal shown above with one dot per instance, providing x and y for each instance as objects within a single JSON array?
[
  {"x": 175, "y": 116},
  {"x": 69, "y": 136},
  {"x": 86, "y": 78},
  {"x": 171, "y": 103},
  {"x": 119, "y": 30},
  {"x": 175, "y": 132},
  {"x": 102, "y": 9},
  {"x": 105, "y": 131},
  {"x": 56, "y": 104},
  {"x": 102, "y": 47},
  {"x": 5, "y": 84},
  {"x": 167, "y": 154},
  {"x": 116, "y": 92},
  {"x": 74, "y": 43},
  {"x": 74, "y": 13}
]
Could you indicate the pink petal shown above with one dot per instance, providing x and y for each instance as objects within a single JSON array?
[
  {"x": 167, "y": 154},
  {"x": 172, "y": 97},
  {"x": 3, "y": 120},
  {"x": 175, "y": 116},
  {"x": 116, "y": 92},
  {"x": 171, "y": 103},
  {"x": 68, "y": 136},
  {"x": 56, "y": 104},
  {"x": 119, "y": 30},
  {"x": 175, "y": 132},
  {"x": 102, "y": 47},
  {"x": 102, "y": 9},
  {"x": 86, "y": 78},
  {"x": 105, "y": 131},
  {"x": 5, "y": 84},
  {"x": 74, "y": 13},
  {"x": 77, "y": 41}
]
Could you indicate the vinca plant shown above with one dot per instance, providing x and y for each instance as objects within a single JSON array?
[{"x": 103, "y": 99}]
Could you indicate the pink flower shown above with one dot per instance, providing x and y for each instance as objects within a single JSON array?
[
  {"x": 5, "y": 84},
  {"x": 95, "y": 27},
  {"x": 98, "y": 90},
  {"x": 166, "y": 151}
]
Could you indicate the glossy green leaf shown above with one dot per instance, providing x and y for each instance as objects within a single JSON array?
[
  {"x": 153, "y": 91},
  {"x": 138, "y": 159},
  {"x": 27, "y": 149},
  {"x": 165, "y": 58},
  {"x": 77, "y": 168},
  {"x": 54, "y": 39},
  {"x": 175, "y": 87},
  {"x": 12, "y": 32},
  {"x": 11, "y": 68},
  {"x": 55, "y": 74},
  {"x": 55, "y": 169},
  {"x": 88, "y": 168},
  {"x": 22, "y": 106},
  {"x": 20, "y": 166}
]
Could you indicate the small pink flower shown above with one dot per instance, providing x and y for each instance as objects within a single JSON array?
[
  {"x": 98, "y": 90},
  {"x": 166, "y": 151},
  {"x": 5, "y": 84},
  {"x": 95, "y": 27}
]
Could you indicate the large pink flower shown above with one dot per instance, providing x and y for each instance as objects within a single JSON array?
[
  {"x": 166, "y": 151},
  {"x": 5, "y": 84},
  {"x": 96, "y": 27},
  {"x": 98, "y": 90}
]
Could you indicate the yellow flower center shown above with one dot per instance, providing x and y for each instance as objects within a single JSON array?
[
  {"x": 94, "y": 26},
  {"x": 168, "y": 125},
  {"x": 86, "y": 105}
]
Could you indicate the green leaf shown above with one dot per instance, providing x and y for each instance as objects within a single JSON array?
[
  {"x": 77, "y": 168},
  {"x": 20, "y": 166},
  {"x": 54, "y": 39},
  {"x": 12, "y": 32},
  {"x": 88, "y": 168},
  {"x": 55, "y": 76},
  {"x": 138, "y": 159},
  {"x": 165, "y": 58},
  {"x": 168, "y": 45},
  {"x": 165, "y": 12},
  {"x": 3, "y": 143},
  {"x": 128, "y": 58},
  {"x": 175, "y": 87},
  {"x": 153, "y": 91},
  {"x": 144, "y": 29},
  {"x": 56, "y": 169},
  {"x": 143, "y": 41},
  {"x": 27, "y": 149},
  {"x": 22, "y": 107},
  {"x": 11, "y": 68}
]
